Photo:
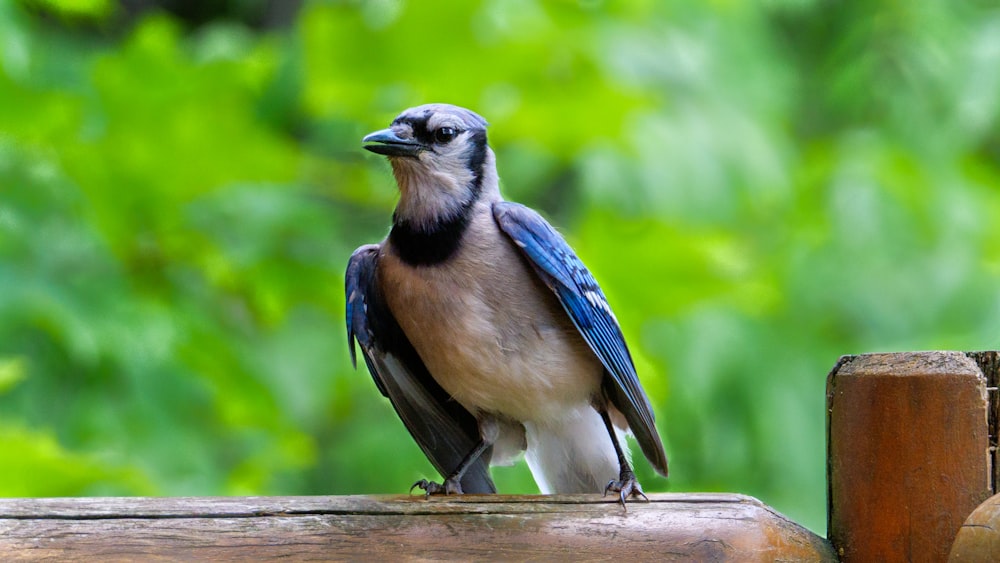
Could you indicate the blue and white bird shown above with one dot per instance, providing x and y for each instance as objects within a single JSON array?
[{"x": 484, "y": 329}]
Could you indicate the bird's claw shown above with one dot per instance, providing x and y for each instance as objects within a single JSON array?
[
  {"x": 449, "y": 487},
  {"x": 626, "y": 487}
]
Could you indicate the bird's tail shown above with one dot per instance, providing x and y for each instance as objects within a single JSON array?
[{"x": 572, "y": 454}]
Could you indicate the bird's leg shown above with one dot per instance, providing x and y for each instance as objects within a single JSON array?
[
  {"x": 452, "y": 485},
  {"x": 626, "y": 485}
]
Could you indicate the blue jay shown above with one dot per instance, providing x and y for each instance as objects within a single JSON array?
[{"x": 483, "y": 328}]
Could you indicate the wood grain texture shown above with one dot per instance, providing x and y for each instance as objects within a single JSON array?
[
  {"x": 704, "y": 527},
  {"x": 908, "y": 453}
]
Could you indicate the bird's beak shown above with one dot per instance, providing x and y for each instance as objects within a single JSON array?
[{"x": 386, "y": 142}]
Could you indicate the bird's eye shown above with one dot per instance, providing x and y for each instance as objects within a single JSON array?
[{"x": 444, "y": 134}]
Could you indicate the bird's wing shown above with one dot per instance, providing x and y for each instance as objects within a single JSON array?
[
  {"x": 581, "y": 297},
  {"x": 443, "y": 429}
]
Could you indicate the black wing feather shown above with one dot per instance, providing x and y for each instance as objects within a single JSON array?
[
  {"x": 443, "y": 429},
  {"x": 563, "y": 272}
]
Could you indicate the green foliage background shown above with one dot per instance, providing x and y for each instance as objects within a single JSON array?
[{"x": 760, "y": 188}]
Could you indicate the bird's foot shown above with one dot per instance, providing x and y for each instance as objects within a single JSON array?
[
  {"x": 626, "y": 486},
  {"x": 449, "y": 487}
]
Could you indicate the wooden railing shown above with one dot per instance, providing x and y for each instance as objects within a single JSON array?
[
  {"x": 703, "y": 527},
  {"x": 911, "y": 453}
]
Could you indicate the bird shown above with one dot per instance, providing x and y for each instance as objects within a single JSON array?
[{"x": 485, "y": 331}]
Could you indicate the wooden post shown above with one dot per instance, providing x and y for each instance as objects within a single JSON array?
[
  {"x": 908, "y": 453},
  {"x": 701, "y": 527}
]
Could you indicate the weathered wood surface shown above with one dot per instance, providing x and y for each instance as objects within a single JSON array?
[
  {"x": 702, "y": 527},
  {"x": 908, "y": 453}
]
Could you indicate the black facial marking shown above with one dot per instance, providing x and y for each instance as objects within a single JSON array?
[
  {"x": 477, "y": 158},
  {"x": 433, "y": 245},
  {"x": 418, "y": 124}
]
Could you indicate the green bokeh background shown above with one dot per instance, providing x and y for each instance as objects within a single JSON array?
[{"x": 759, "y": 187}]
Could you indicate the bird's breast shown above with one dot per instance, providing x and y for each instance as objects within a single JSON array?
[{"x": 489, "y": 331}]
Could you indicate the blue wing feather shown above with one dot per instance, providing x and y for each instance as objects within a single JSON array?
[
  {"x": 443, "y": 429},
  {"x": 563, "y": 272}
]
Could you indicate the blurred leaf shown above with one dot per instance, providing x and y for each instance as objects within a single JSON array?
[
  {"x": 36, "y": 465},
  {"x": 12, "y": 371},
  {"x": 75, "y": 9}
]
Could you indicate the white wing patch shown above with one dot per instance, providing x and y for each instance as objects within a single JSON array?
[{"x": 598, "y": 302}]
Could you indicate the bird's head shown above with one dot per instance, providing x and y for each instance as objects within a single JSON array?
[{"x": 440, "y": 159}]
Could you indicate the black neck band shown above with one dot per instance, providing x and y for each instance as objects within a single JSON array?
[{"x": 431, "y": 245}]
